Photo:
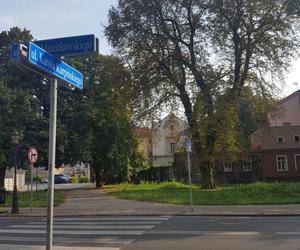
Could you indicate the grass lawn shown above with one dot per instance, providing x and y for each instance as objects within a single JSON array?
[
  {"x": 39, "y": 199},
  {"x": 234, "y": 194}
]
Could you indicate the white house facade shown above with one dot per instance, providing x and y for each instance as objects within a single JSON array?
[{"x": 168, "y": 135}]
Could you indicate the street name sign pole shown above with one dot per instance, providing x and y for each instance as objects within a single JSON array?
[
  {"x": 32, "y": 155},
  {"x": 51, "y": 162},
  {"x": 40, "y": 61},
  {"x": 189, "y": 150}
]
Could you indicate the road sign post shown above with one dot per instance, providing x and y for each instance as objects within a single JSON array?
[
  {"x": 51, "y": 163},
  {"x": 42, "y": 62},
  {"x": 189, "y": 150},
  {"x": 32, "y": 158}
]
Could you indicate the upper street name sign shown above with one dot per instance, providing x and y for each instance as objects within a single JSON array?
[
  {"x": 14, "y": 54},
  {"x": 73, "y": 46},
  {"x": 50, "y": 64}
]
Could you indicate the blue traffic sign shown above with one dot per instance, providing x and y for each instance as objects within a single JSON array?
[
  {"x": 14, "y": 51},
  {"x": 189, "y": 145},
  {"x": 70, "y": 46},
  {"x": 57, "y": 68}
]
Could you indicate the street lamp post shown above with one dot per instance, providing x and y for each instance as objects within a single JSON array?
[{"x": 15, "y": 140}]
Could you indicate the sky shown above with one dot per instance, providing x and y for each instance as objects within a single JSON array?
[
  {"x": 57, "y": 18},
  {"x": 61, "y": 18}
]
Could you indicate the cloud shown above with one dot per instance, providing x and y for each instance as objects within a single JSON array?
[{"x": 7, "y": 22}]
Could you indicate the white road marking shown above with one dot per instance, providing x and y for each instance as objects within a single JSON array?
[
  {"x": 102, "y": 240},
  {"x": 287, "y": 233},
  {"x": 84, "y": 227},
  {"x": 70, "y": 232},
  {"x": 98, "y": 223},
  {"x": 163, "y": 218},
  {"x": 36, "y": 247},
  {"x": 181, "y": 232}
]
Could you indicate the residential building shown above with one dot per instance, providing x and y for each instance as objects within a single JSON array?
[
  {"x": 278, "y": 145},
  {"x": 144, "y": 136},
  {"x": 168, "y": 135},
  {"x": 159, "y": 144}
]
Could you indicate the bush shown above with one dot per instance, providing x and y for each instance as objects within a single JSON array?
[
  {"x": 37, "y": 178},
  {"x": 84, "y": 179},
  {"x": 74, "y": 179}
]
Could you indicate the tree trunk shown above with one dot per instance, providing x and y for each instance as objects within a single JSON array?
[
  {"x": 98, "y": 177},
  {"x": 2, "y": 177},
  {"x": 208, "y": 181}
]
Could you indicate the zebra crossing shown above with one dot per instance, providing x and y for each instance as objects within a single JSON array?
[{"x": 70, "y": 233}]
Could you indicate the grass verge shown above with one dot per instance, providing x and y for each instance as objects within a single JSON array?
[
  {"x": 39, "y": 199},
  {"x": 258, "y": 193}
]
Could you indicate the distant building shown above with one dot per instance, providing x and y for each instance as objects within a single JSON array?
[
  {"x": 278, "y": 145},
  {"x": 168, "y": 135},
  {"x": 9, "y": 179},
  {"x": 159, "y": 144},
  {"x": 144, "y": 136}
]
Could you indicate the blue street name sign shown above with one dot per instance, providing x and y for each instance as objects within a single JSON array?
[
  {"x": 57, "y": 68},
  {"x": 70, "y": 46},
  {"x": 189, "y": 145},
  {"x": 14, "y": 51}
]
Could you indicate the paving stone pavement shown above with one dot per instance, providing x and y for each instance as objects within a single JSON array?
[{"x": 88, "y": 201}]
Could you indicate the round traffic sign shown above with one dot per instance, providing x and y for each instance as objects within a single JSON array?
[{"x": 32, "y": 155}]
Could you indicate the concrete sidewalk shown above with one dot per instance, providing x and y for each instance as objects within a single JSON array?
[{"x": 91, "y": 202}]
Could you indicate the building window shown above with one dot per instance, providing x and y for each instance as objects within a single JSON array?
[
  {"x": 227, "y": 167},
  {"x": 280, "y": 139},
  {"x": 297, "y": 138},
  {"x": 172, "y": 147},
  {"x": 247, "y": 165},
  {"x": 282, "y": 163},
  {"x": 297, "y": 161}
]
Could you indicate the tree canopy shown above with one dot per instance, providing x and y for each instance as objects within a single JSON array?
[
  {"x": 204, "y": 54},
  {"x": 93, "y": 125}
]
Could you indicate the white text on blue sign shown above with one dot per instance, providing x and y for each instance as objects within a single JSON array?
[{"x": 56, "y": 67}]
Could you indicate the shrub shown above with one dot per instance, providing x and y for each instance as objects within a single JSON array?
[
  {"x": 37, "y": 178},
  {"x": 74, "y": 179},
  {"x": 84, "y": 179}
]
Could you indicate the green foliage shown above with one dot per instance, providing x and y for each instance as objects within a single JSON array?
[
  {"x": 39, "y": 199},
  {"x": 99, "y": 119},
  {"x": 93, "y": 125},
  {"x": 20, "y": 107},
  {"x": 233, "y": 194},
  {"x": 204, "y": 54},
  {"x": 37, "y": 178},
  {"x": 84, "y": 179},
  {"x": 74, "y": 179}
]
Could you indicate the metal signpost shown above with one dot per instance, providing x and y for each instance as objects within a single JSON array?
[
  {"x": 32, "y": 155},
  {"x": 189, "y": 150},
  {"x": 42, "y": 62}
]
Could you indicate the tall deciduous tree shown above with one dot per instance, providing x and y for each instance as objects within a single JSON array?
[
  {"x": 19, "y": 105},
  {"x": 98, "y": 121},
  {"x": 204, "y": 53}
]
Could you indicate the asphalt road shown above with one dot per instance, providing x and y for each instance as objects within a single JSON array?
[{"x": 153, "y": 232}]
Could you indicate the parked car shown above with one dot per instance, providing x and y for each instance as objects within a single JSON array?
[
  {"x": 44, "y": 180},
  {"x": 61, "y": 178}
]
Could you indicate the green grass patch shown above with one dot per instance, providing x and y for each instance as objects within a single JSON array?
[
  {"x": 258, "y": 193},
  {"x": 39, "y": 199}
]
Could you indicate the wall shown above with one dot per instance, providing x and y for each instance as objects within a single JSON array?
[
  {"x": 287, "y": 110},
  {"x": 9, "y": 180},
  {"x": 169, "y": 130}
]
